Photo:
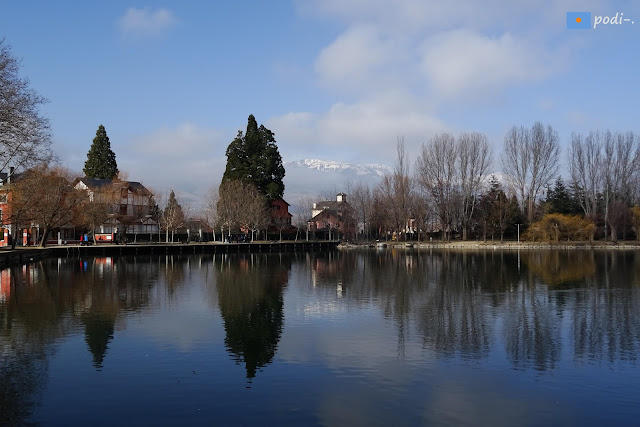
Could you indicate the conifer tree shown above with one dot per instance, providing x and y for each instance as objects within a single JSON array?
[
  {"x": 253, "y": 158},
  {"x": 560, "y": 199},
  {"x": 101, "y": 161},
  {"x": 173, "y": 215}
]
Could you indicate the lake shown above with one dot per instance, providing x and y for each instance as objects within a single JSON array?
[{"x": 370, "y": 337}]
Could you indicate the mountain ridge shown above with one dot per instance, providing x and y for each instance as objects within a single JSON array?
[{"x": 326, "y": 166}]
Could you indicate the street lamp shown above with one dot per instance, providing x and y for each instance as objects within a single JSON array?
[{"x": 518, "y": 232}]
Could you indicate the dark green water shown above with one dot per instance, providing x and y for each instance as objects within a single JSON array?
[{"x": 342, "y": 338}]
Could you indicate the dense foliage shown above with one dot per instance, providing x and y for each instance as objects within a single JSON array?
[{"x": 253, "y": 158}]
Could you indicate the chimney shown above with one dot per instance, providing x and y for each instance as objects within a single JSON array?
[
  {"x": 341, "y": 197},
  {"x": 11, "y": 169},
  {"x": 314, "y": 206}
]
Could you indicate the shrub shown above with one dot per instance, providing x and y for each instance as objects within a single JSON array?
[{"x": 556, "y": 227}]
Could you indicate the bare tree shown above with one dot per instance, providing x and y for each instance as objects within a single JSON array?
[
  {"x": 211, "y": 209},
  {"x": 403, "y": 194},
  {"x": 395, "y": 192},
  {"x": 436, "y": 174},
  {"x": 628, "y": 165},
  {"x": 530, "y": 158},
  {"x": 25, "y": 137},
  {"x": 620, "y": 167},
  {"x": 22, "y": 199},
  {"x": 240, "y": 205},
  {"x": 55, "y": 200},
  {"x": 516, "y": 161},
  {"x": 362, "y": 201},
  {"x": 474, "y": 158},
  {"x": 424, "y": 212},
  {"x": 303, "y": 214},
  {"x": 585, "y": 158},
  {"x": 229, "y": 207},
  {"x": 255, "y": 215}
]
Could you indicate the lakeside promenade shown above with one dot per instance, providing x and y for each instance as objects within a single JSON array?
[{"x": 22, "y": 255}]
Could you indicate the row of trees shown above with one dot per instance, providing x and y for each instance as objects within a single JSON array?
[
  {"x": 451, "y": 192},
  {"x": 605, "y": 170}
]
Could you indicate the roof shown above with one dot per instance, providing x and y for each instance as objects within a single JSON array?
[
  {"x": 331, "y": 204},
  {"x": 326, "y": 212},
  {"x": 280, "y": 199},
  {"x": 95, "y": 183}
]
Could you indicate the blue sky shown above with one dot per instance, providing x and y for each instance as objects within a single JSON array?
[{"x": 336, "y": 79}]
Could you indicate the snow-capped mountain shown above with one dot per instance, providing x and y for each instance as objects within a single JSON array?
[
  {"x": 312, "y": 177},
  {"x": 341, "y": 167}
]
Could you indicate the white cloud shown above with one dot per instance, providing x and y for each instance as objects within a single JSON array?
[
  {"x": 463, "y": 63},
  {"x": 464, "y": 49},
  {"x": 366, "y": 130},
  {"x": 189, "y": 159},
  {"x": 361, "y": 57},
  {"x": 145, "y": 22}
]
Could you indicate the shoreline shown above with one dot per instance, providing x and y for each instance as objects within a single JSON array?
[
  {"x": 24, "y": 255},
  {"x": 474, "y": 244}
]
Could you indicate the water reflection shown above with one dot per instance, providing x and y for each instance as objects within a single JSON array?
[
  {"x": 250, "y": 289},
  {"x": 28, "y": 326},
  {"x": 48, "y": 300},
  {"x": 98, "y": 328},
  {"x": 534, "y": 311},
  {"x": 466, "y": 303}
]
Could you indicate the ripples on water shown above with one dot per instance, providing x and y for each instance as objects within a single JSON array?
[{"x": 372, "y": 337}]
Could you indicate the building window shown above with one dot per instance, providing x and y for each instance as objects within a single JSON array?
[
  {"x": 123, "y": 209},
  {"x": 3, "y": 198}
]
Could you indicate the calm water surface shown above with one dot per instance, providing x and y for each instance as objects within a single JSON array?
[{"x": 342, "y": 338}]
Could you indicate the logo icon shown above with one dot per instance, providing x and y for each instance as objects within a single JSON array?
[{"x": 578, "y": 20}]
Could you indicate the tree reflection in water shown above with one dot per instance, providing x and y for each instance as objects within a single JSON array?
[
  {"x": 98, "y": 329},
  {"x": 250, "y": 293},
  {"x": 523, "y": 307},
  {"x": 49, "y": 299},
  {"x": 463, "y": 303},
  {"x": 29, "y": 325}
]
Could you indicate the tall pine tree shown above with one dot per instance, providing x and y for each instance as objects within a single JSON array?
[
  {"x": 101, "y": 161},
  {"x": 253, "y": 157}
]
